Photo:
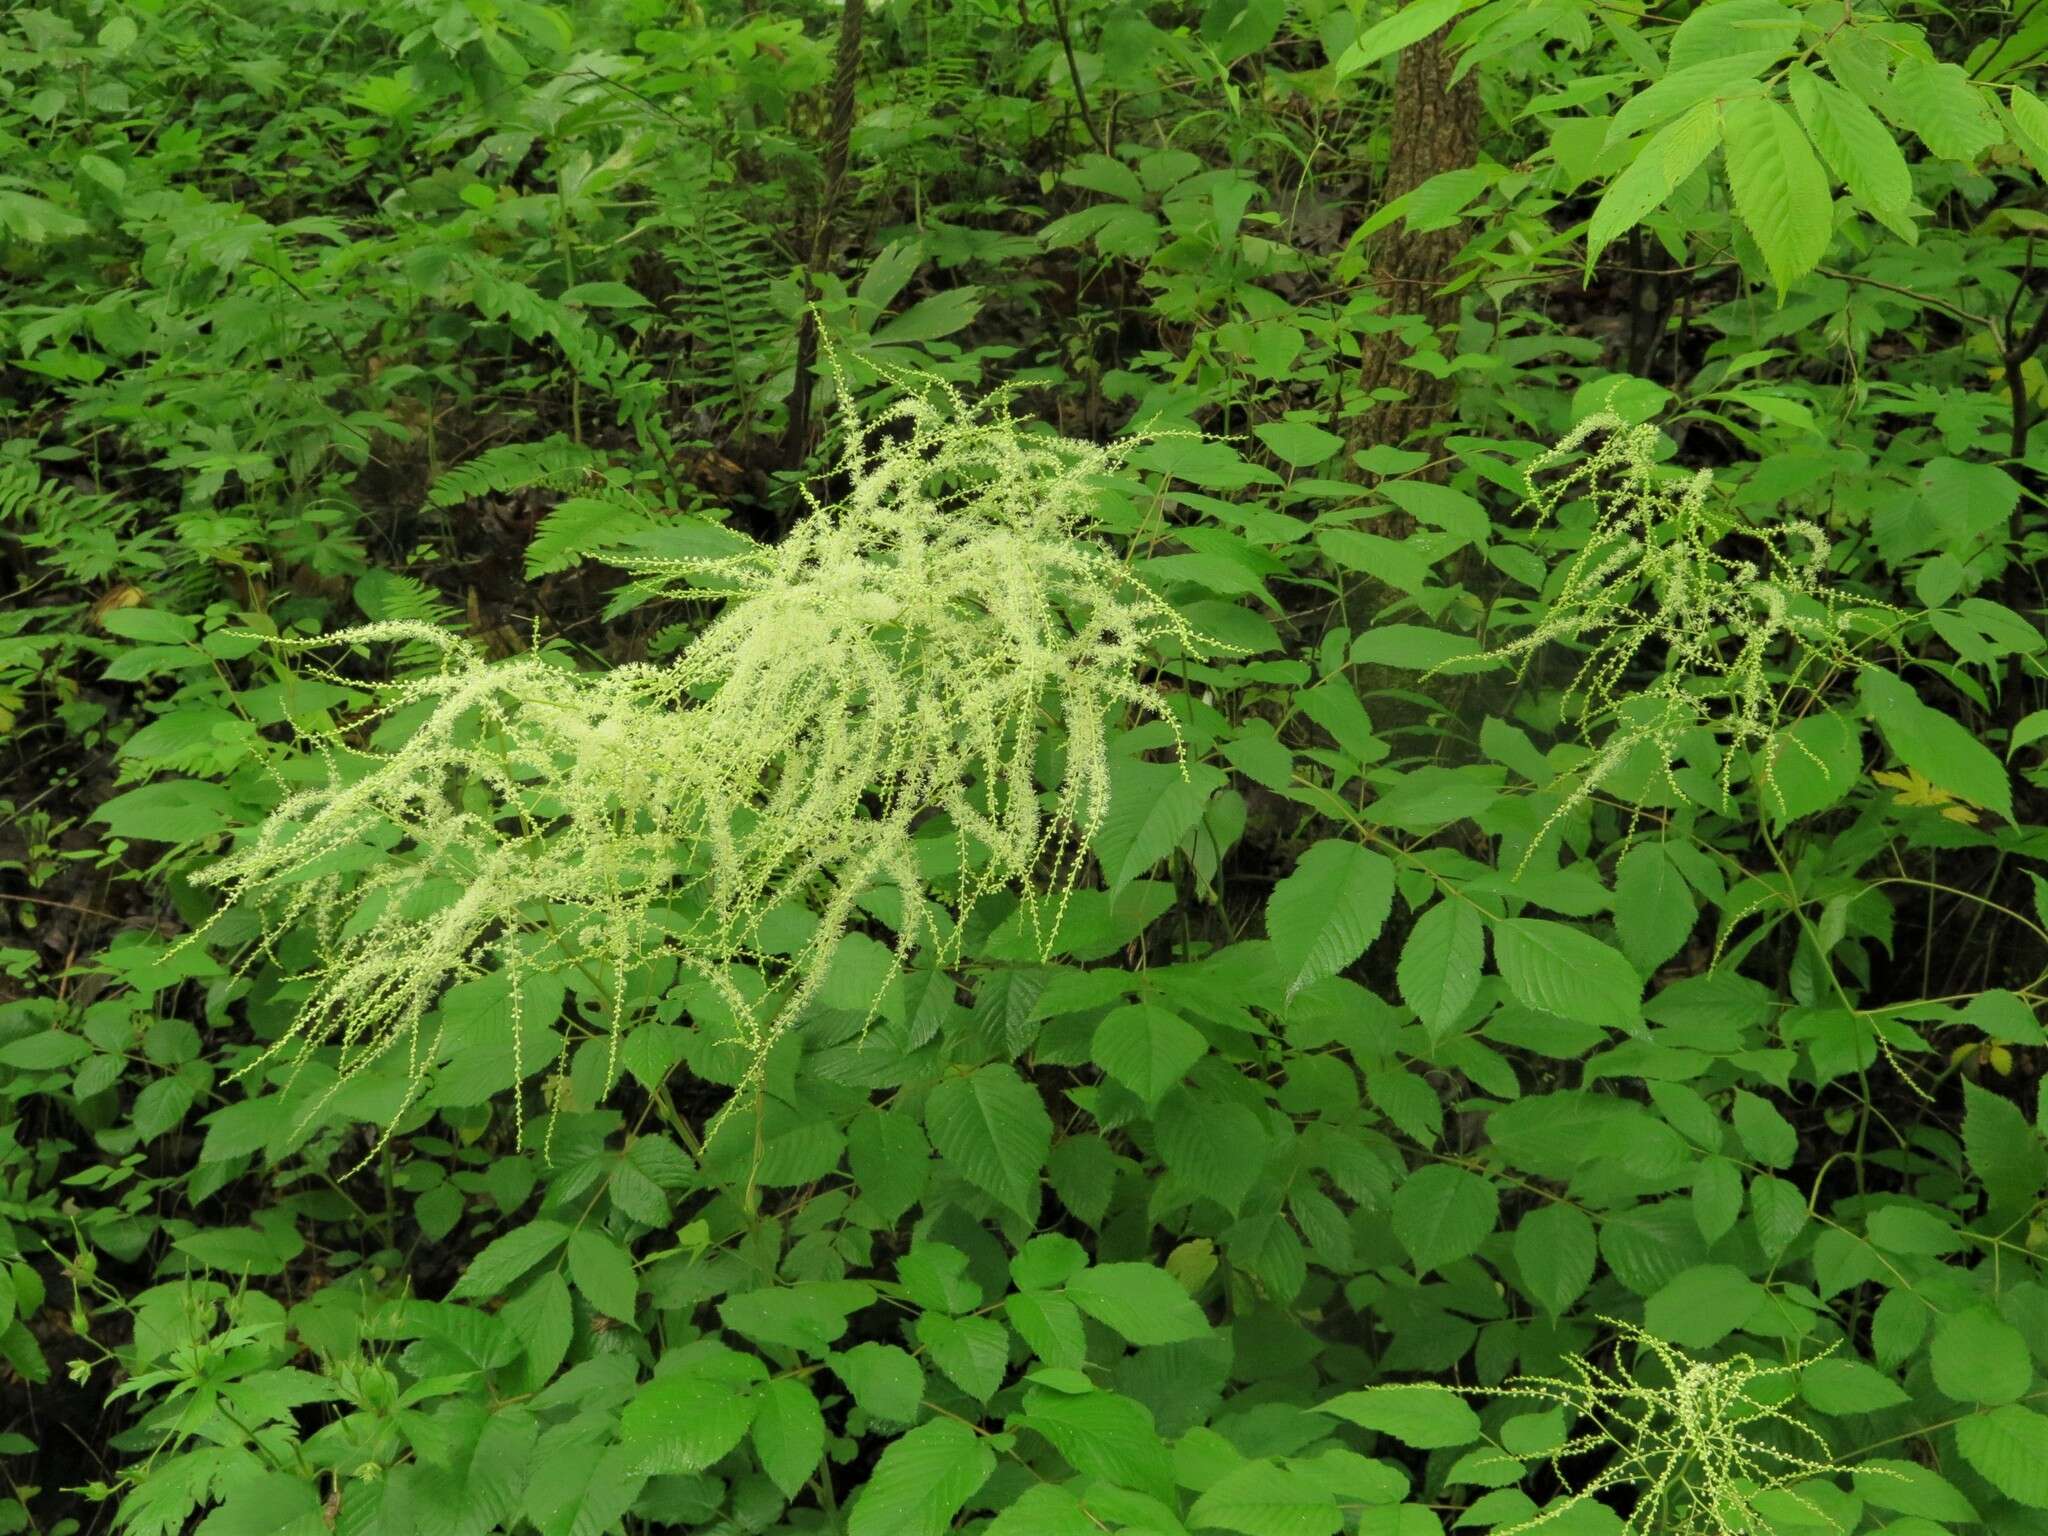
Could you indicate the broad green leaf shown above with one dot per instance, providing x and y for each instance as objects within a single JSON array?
[
  {"x": 1409, "y": 24},
  {"x": 807, "y": 1316},
  {"x": 1441, "y": 507},
  {"x": 1428, "y": 1418},
  {"x": 1653, "y": 906},
  {"x": 922, "y": 1481},
  {"x": 1945, "y": 107},
  {"x": 1563, "y": 971},
  {"x": 258, "y": 1503},
  {"x": 1442, "y": 1214},
  {"x": 1660, "y": 166},
  {"x": 1214, "y": 1147},
  {"x": 929, "y": 319},
  {"x": 1840, "y": 1387},
  {"x": 789, "y": 1433},
  {"x": 1778, "y": 1210},
  {"x": 2004, "y": 1016},
  {"x": 1778, "y": 186},
  {"x": 1258, "y": 1498},
  {"x": 972, "y": 1352},
  {"x": 1978, "y": 1357},
  {"x": 1716, "y": 1197},
  {"x": 935, "y": 1277},
  {"x": 1555, "y": 1251},
  {"x": 2030, "y": 127},
  {"x": 1857, "y": 147},
  {"x": 992, "y": 1126},
  {"x": 1933, "y": 744},
  {"x": 2005, "y": 1152},
  {"x": 1913, "y": 1230},
  {"x": 603, "y": 295},
  {"x": 1102, "y": 1434},
  {"x": 1721, "y": 78},
  {"x": 886, "y": 1381},
  {"x": 1701, "y": 1306},
  {"x": 889, "y": 1159},
  {"x": 1298, "y": 444},
  {"x": 1810, "y": 765},
  {"x": 682, "y": 1424},
  {"x": 1731, "y": 26},
  {"x": 2009, "y": 1449},
  {"x": 1768, "y": 1135},
  {"x": 1265, "y": 1246},
  {"x": 1410, "y": 645},
  {"x": 1141, "y": 1302},
  {"x": 1440, "y": 965},
  {"x": 1152, "y": 807},
  {"x": 579, "y": 1486},
  {"x": 119, "y": 34},
  {"x": 543, "y": 1319},
  {"x": 1147, "y": 1048},
  {"x": 46, "y": 1050},
  {"x": 506, "y": 1258},
  {"x": 169, "y": 811},
  {"x": 1911, "y": 1489},
  {"x": 1047, "y": 1261},
  {"x": 1045, "y": 1509},
  {"x": 1050, "y": 1326},
  {"x": 603, "y": 1272},
  {"x": 1323, "y": 915}
]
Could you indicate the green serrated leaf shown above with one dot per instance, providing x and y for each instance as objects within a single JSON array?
[
  {"x": 508, "y": 1257},
  {"x": 2030, "y": 127},
  {"x": 922, "y": 1481},
  {"x": 603, "y": 1272},
  {"x": 1440, "y": 966},
  {"x": 1945, "y": 107},
  {"x": 1258, "y": 1498},
  {"x": 2009, "y": 1449},
  {"x": 992, "y": 1126},
  {"x": 1564, "y": 971},
  {"x": 682, "y": 1423},
  {"x": 1933, "y": 744},
  {"x": 2004, "y": 1151},
  {"x": 1322, "y": 916},
  {"x": 1408, "y": 25},
  {"x": 789, "y": 1433},
  {"x": 1700, "y": 1306},
  {"x": 1839, "y": 1387},
  {"x": 1653, "y": 906},
  {"x": 1660, "y": 166},
  {"x": 1778, "y": 187},
  {"x": 1555, "y": 1251},
  {"x": 1978, "y": 1357},
  {"x": 1856, "y": 145},
  {"x": 1442, "y": 1214},
  {"x": 1427, "y": 1418},
  {"x": 1147, "y": 1048},
  {"x": 1141, "y": 1302}
]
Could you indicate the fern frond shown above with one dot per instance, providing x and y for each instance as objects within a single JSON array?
[
  {"x": 736, "y": 334},
  {"x": 554, "y": 463},
  {"x": 387, "y": 596}
]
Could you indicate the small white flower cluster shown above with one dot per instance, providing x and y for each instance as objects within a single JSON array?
[
  {"x": 895, "y": 658},
  {"x": 1699, "y": 1448},
  {"x": 1653, "y": 585}
]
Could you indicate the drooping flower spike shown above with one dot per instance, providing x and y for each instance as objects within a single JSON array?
[{"x": 898, "y": 657}]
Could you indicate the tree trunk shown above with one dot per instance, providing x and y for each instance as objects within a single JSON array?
[
  {"x": 796, "y": 440},
  {"x": 1435, "y": 128}
]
